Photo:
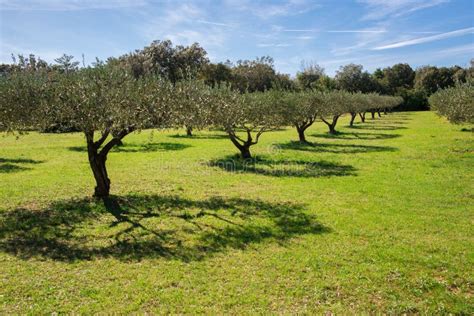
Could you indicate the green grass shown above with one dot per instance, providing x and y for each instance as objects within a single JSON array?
[{"x": 376, "y": 219}]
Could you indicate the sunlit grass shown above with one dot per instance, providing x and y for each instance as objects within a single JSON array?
[{"x": 377, "y": 218}]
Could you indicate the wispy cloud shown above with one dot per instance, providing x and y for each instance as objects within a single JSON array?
[
  {"x": 426, "y": 39},
  {"x": 380, "y": 9},
  {"x": 183, "y": 24},
  {"x": 333, "y": 31},
  {"x": 67, "y": 5},
  {"x": 356, "y": 31},
  {"x": 458, "y": 50},
  {"x": 215, "y": 23},
  {"x": 269, "y": 10},
  {"x": 304, "y": 38}
]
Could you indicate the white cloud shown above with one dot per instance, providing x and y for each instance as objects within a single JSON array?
[
  {"x": 265, "y": 11},
  {"x": 426, "y": 39},
  {"x": 68, "y": 5},
  {"x": 458, "y": 50},
  {"x": 334, "y": 31},
  {"x": 380, "y": 9},
  {"x": 215, "y": 23}
]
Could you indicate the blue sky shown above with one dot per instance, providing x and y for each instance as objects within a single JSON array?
[{"x": 374, "y": 33}]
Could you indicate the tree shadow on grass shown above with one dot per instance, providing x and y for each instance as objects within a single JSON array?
[
  {"x": 9, "y": 165},
  {"x": 282, "y": 168},
  {"x": 335, "y": 148},
  {"x": 377, "y": 127},
  {"x": 150, "y": 226},
  {"x": 133, "y": 148},
  {"x": 214, "y": 136},
  {"x": 361, "y": 136}
]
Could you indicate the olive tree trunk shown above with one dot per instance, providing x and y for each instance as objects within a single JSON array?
[
  {"x": 302, "y": 126},
  {"x": 353, "y": 116},
  {"x": 98, "y": 157},
  {"x": 99, "y": 169},
  {"x": 331, "y": 125},
  {"x": 189, "y": 130},
  {"x": 301, "y": 135},
  {"x": 362, "y": 117}
]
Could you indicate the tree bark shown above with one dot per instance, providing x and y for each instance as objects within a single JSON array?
[
  {"x": 378, "y": 112},
  {"x": 243, "y": 148},
  {"x": 362, "y": 117},
  {"x": 99, "y": 169},
  {"x": 301, "y": 135},
  {"x": 97, "y": 159},
  {"x": 373, "y": 114},
  {"x": 332, "y": 125},
  {"x": 353, "y": 116},
  {"x": 189, "y": 131},
  {"x": 245, "y": 152}
]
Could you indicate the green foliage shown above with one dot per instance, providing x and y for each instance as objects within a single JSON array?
[
  {"x": 309, "y": 75},
  {"x": 254, "y": 75},
  {"x": 399, "y": 76},
  {"x": 429, "y": 79},
  {"x": 22, "y": 93},
  {"x": 165, "y": 60},
  {"x": 216, "y": 74},
  {"x": 455, "y": 103},
  {"x": 352, "y": 78}
]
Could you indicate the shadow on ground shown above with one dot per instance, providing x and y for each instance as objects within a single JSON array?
[
  {"x": 132, "y": 148},
  {"x": 335, "y": 148},
  {"x": 282, "y": 168},
  {"x": 215, "y": 136},
  {"x": 382, "y": 127},
  {"x": 354, "y": 135},
  {"x": 149, "y": 226},
  {"x": 9, "y": 165}
]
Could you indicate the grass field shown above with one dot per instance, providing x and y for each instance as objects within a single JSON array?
[{"x": 379, "y": 218}]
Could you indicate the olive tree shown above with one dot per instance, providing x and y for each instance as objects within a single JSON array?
[
  {"x": 18, "y": 100},
  {"x": 455, "y": 103},
  {"x": 301, "y": 109},
  {"x": 105, "y": 104},
  {"x": 335, "y": 104},
  {"x": 191, "y": 104},
  {"x": 245, "y": 117}
]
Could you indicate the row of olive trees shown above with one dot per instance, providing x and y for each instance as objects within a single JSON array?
[
  {"x": 302, "y": 109},
  {"x": 107, "y": 103},
  {"x": 455, "y": 103}
]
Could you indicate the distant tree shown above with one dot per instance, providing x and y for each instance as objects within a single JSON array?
[
  {"x": 66, "y": 64},
  {"x": 216, "y": 74},
  {"x": 253, "y": 75},
  {"x": 325, "y": 84},
  {"x": 165, "y": 60},
  {"x": 399, "y": 76},
  {"x": 283, "y": 82},
  {"x": 309, "y": 75},
  {"x": 429, "y": 79},
  {"x": 352, "y": 78}
]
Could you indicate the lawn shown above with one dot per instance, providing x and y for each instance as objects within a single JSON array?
[{"x": 379, "y": 218}]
